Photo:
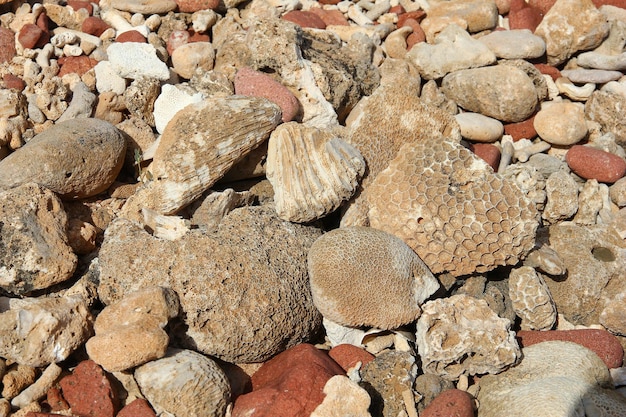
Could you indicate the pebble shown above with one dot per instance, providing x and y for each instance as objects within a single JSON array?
[
  {"x": 522, "y": 15},
  {"x": 348, "y": 356},
  {"x": 487, "y": 152},
  {"x": 479, "y": 128},
  {"x": 305, "y": 19},
  {"x": 192, "y": 57},
  {"x": 32, "y": 36},
  {"x": 521, "y": 130},
  {"x": 514, "y": 44},
  {"x": 602, "y": 62},
  {"x": 583, "y": 76},
  {"x": 146, "y": 7},
  {"x": 591, "y": 163},
  {"x": 7, "y": 45},
  {"x": 135, "y": 60},
  {"x": 192, "y": 6},
  {"x": 89, "y": 392},
  {"x": 137, "y": 408},
  {"x": 561, "y": 124},
  {"x": 131, "y": 36},
  {"x": 452, "y": 402}
]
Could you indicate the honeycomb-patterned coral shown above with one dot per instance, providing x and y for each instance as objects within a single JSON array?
[
  {"x": 363, "y": 276},
  {"x": 450, "y": 208}
]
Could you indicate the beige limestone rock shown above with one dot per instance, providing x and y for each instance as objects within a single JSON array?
[
  {"x": 16, "y": 379},
  {"x": 461, "y": 335},
  {"x": 602, "y": 402},
  {"x": 34, "y": 249},
  {"x": 561, "y": 123},
  {"x": 613, "y": 316},
  {"x": 312, "y": 171},
  {"x": 531, "y": 299},
  {"x": 349, "y": 266},
  {"x": 479, "y": 15},
  {"x": 139, "y": 98},
  {"x": 562, "y": 197},
  {"x": 190, "y": 57},
  {"x": 343, "y": 398},
  {"x": 605, "y": 108}
]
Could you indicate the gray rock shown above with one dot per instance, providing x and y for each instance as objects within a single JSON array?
[
  {"x": 514, "y": 44},
  {"x": 596, "y": 76},
  {"x": 82, "y": 105},
  {"x": 77, "y": 158},
  {"x": 503, "y": 92},
  {"x": 244, "y": 290},
  {"x": 34, "y": 249}
]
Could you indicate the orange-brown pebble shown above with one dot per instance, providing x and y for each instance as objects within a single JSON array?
[
  {"x": 32, "y": 36},
  {"x": 348, "y": 356},
  {"x": 305, "y": 19},
  {"x": 450, "y": 403},
  {"x": 94, "y": 26},
  {"x": 131, "y": 36},
  {"x": 549, "y": 70},
  {"x": 416, "y": 15},
  {"x": 521, "y": 130},
  {"x": 55, "y": 400},
  {"x": 397, "y": 9},
  {"x": 524, "y": 16},
  {"x": 199, "y": 37},
  {"x": 590, "y": 163},
  {"x": 12, "y": 82},
  {"x": 416, "y": 36},
  {"x": 7, "y": 45},
  {"x": 488, "y": 153},
  {"x": 80, "y": 4},
  {"x": 330, "y": 17},
  {"x": 76, "y": 65},
  {"x": 192, "y": 6},
  {"x": 137, "y": 408}
]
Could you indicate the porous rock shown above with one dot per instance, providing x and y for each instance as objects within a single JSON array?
[
  {"x": 76, "y": 159},
  {"x": 347, "y": 268},
  {"x": 562, "y": 197},
  {"x": 531, "y": 299},
  {"x": 89, "y": 391},
  {"x": 34, "y": 249},
  {"x": 185, "y": 383},
  {"x": 605, "y": 108},
  {"x": 461, "y": 335},
  {"x": 40, "y": 331},
  {"x": 326, "y": 174},
  {"x": 343, "y": 397},
  {"x": 236, "y": 303}
]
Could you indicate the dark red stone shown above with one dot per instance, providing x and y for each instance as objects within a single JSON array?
[
  {"x": 43, "y": 22},
  {"x": 305, "y": 19},
  {"x": 488, "y": 153},
  {"x": 131, "y": 36},
  {"x": 76, "y": 65},
  {"x": 591, "y": 163},
  {"x": 88, "y": 391},
  {"x": 55, "y": 400},
  {"x": 80, "y": 4},
  {"x": 617, "y": 3},
  {"x": 191, "y": 6},
  {"x": 549, "y": 70},
  {"x": 330, "y": 17},
  {"x": 347, "y": 356},
  {"x": 137, "y": 408},
  {"x": 543, "y": 6},
  {"x": 94, "y": 26},
  {"x": 199, "y": 37},
  {"x": 7, "y": 45},
  {"x": 521, "y": 130},
  {"x": 524, "y": 16},
  {"x": 397, "y": 9},
  {"x": 603, "y": 343},
  {"x": 450, "y": 403},
  {"x": 288, "y": 385},
  {"x": 12, "y": 82},
  {"x": 31, "y": 36},
  {"x": 416, "y": 15}
]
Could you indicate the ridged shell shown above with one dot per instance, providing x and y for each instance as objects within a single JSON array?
[
  {"x": 312, "y": 171},
  {"x": 198, "y": 146}
]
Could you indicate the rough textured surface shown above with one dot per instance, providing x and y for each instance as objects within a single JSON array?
[
  {"x": 185, "y": 383},
  {"x": 243, "y": 290},
  {"x": 461, "y": 335},
  {"x": 89, "y": 392},
  {"x": 347, "y": 268},
  {"x": 343, "y": 398},
  {"x": 531, "y": 299},
  {"x": 327, "y": 173},
  {"x": 34, "y": 248},
  {"x": 605, "y": 108}
]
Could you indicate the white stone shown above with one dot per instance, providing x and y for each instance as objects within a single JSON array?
[
  {"x": 169, "y": 102},
  {"x": 479, "y": 128},
  {"x": 107, "y": 79},
  {"x": 134, "y": 60}
]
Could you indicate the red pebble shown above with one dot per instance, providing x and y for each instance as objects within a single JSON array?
[
  {"x": 347, "y": 356},
  {"x": 7, "y": 45},
  {"x": 488, "y": 153},
  {"x": 543, "y": 6},
  {"x": 305, "y": 19},
  {"x": 590, "y": 163},
  {"x": 289, "y": 385},
  {"x": 80, "y": 4},
  {"x": 31, "y": 36},
  {"x": 36, "y": 414},
  {"x": 450, "y": 403},
  {"x": 521, "y": 130},
  {"x": 94, "y": 26},
  {"x": 76, "y": 65},
  {"x": 199, "y": 37},
  {"x": 176, "y": 39},
  {"x": 249, "y": 82},
  {"x": 192, "y": 6},
  {"x": 137, "y": 408},
  {"x": 329, "y": 1},
  {"x": 88, "y": 391},
  {"x": 131, "y": 36},
  {"x": 524, "y": 16},
  {"x": 603, "y": 343},
  {"x": 12, "y": 82},
  {"x": 617, "y": 3},
  {"x": 330, "y": 17},
  {"x": 55, "y": 400},
  {"x": 549, "y": 70},
  {"x": 416, "y": 15},
  {"x": 397, "y": 9}
]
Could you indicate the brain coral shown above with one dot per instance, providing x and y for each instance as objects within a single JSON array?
[
  {"x": 451, "y": 208},
  {"x": 363, "y": 276}
]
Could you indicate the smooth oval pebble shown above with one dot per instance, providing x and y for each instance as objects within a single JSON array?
[
  {"x": 561, "y": 123},
  {"x": 514, "y": 44},
  {"x": 582, "y": 76},
  {"x": 591, "y": 163},
  {"x": 479, "y": 128},
  {"x": 451, "y": 402},
  {"x": 77, "y": 158}
]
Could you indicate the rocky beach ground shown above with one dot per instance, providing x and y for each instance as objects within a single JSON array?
[{"x": 313, "y": 208}]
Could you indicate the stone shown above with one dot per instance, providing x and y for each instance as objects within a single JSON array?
[
  {"x": 93, "y": 154},
  {"x": 550, "y": 70},
  {"x": 177, "y": 38},
  {"x": 137, "y": 408},
  {"x": 327, "y": 173},
  {"x": 604, "y": 402},
  {"x": 305, "y": 19},
  {"x": 612, "y": 315},
  {"x": 131, "y": 36},
  {"x": 524, "y": 16},
  {"x": 249, "y": 82},
  {"x": 7, "y": 45},
  {"x": 330, "y": 17},
  {"x": 32, "y": 36},
  {"x": 348, "y": 356},
  {"x": 618, "y": 192},
  {"x": 184, "y": 383},
  {"x": 606, "y": 108},
  {"x": 561, "y": 123},
  {"x": 145, "y": 7},
  {"x": 341, "y": 264},
  {"x": 343, "y": 397},
  {"x": 571, "y": 26},
  {"x": 503, "y": 92},
  {"x": 38, "y": 389},
  {"x": 551, "y": 380},
  {"x": 452, "y": 402},
  {"x": 602, "y": 62},
  {"x": 291, "y": 384},
  {"x": 17, "y": 378},
  {"x": 479, "y": 128},
  {"x": 94, "y": 26},
  {"x": 461, "y": 335},
  {"x": 10, "y": 81},
  {"x": 487, "y": 152},
  {"x": 429, "y": 386},
  {"x": 582, "y": 76},
  {"x": 562, "y": 197},
  {"x": 454, "y": 49},
  {"x": 591, "y": 163},
  {"x": 235, "y": 303},
  {"x": 35, "y": 252},
  {"x": 169, "y": 102},
  {"x": 603, "y": 343},
  {"x": 531, "y": 299},
  {"x": 192, "y": 6},
  {"x": 478, "y": 15},
  {"x": 108, "y": 80},
  {"x": 192, "y": 57},
  {"x": 514, "y": 44},
  {"x": 135, "y": 60},
  {"x": 389, "y": 379},
  {"x": 139, "y": 100},
  {"x": 76, "y": 65},
  {"x": 88, "y": 391}
]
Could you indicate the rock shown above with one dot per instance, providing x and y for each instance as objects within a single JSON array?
[
  {"x": 177, "y": 38},
  {"x": 514, "y": 44},
  {"x": 89, "y": 392},
  {"x": 571, "y": 26},
  {"x": 618, "y": 192},
  {"x": 429, "y": 386},
  {"x": 7, "y": 45},
  {"x": 343, "y": 397},
  {"x": 94, "y": 26},
  {"x": 488, "y": 153},
  {"x": 146, "y": 7},
  {"x": 524, "y": 16},
  {"x": 454, "y": 49},
  {"x": 603, "y": 343},
  {"x": 478, "y": 15},
  {"x": 108, "y": 80},
  {"x": 32, "y": 36},
  {"x": 249, "y": 82},
  {"x": 503, "y": 92},
  {"x": 130, "y": 332},
  {"x": 605, "y": 108},
  {"x": 35, "y": 253},
  {"x": 561, "y": 123},
  {"x": 452, "y": 402},
  {"x": 341, "y": 264},
  {"x": 233, "y": 297},
  {"x": 290, "y": 384},
  {"x": 38, "y": 389},
  {"x": 612, "y": 316},
  {"x": 192, "y": 57},
  {"x": 76, "y": 65},
  {"x": 330, "y": 17},
  {"x": 17, "y": 378},
  {"x": 599, "y": 61},
  {"x": 562, "y": 197},
  {"x": 131, "y": 36},
  {"x": 12, "y": 82},
  {"x": 591, "y": 163},
  {"x": 171, "y": 100},
  {"x": 191, "y": 6},
  {"x": 139, "y": 100},
  {"x": 461, "y": 335},
  {"x": 348, "y": 356},
  {"x": 305, "y": 19},
  {"x": 135, "y": 60},
  {"x": 582, "y": 76},
  {"x": 137, "y": 408},
  {"x": 531, "y": 299},
  {"x": 93, "y": 154},
  {"x": 550, "y": 70},
  {"x": 389, "y": 379},
  {"x": 604, "y": 402},
  {"x": 479, "y": 128},
  {"x": 551, "y": 380},
  {"x": 184, "y": 383},
  {"x": 327, "y": 173}
]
